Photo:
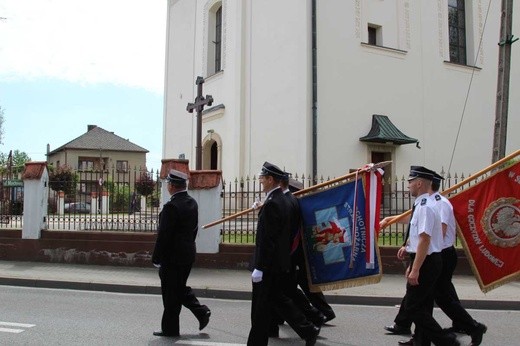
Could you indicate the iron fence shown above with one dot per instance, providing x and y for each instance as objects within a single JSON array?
[
  {"x": 107, "y": 200},
  {"x": 240, "y": 194},
  {"x": 11, "y": 201}
]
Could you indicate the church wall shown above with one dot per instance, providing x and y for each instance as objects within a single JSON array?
[
  {"x": 280, "y": 98},
  {"x": 266, "y": 84},
  {"x": 411, "y": 83},
  {"x": 178, "y": 124}
]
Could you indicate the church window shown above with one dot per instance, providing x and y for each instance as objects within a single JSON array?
[
  {"x": 214, "y": 39},
  {"x": 218, "y": 38},
  {"x": 375, "y": 35},
  {"x": 457, "y": 31}
]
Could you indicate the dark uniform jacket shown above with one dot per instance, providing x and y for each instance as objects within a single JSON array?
[
  {"x": 272, "y": 237},
  {"x": 295, "y": 218},
  {"x": 178, "y": 226}
]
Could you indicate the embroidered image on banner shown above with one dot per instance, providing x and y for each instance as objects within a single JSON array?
[{"x": 339, "y": 239}]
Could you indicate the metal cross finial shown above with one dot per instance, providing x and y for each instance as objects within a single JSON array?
[{"x": 198, "y": 105}]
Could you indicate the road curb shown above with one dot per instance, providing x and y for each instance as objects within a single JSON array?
[{"x": 239, "y": 295}]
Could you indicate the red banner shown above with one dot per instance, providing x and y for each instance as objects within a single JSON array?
[{"x": 488, "y": 217}]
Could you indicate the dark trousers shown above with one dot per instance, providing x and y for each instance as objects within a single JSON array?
[
  {"x": 301, "y": 301},
  {"x": 317, "y": 299},
  {"x": 176, "y": 294},
  {"x": 419, "y": 303},
  {"x": 446, "y": 297},
  {"x": 268, "y": 296}
]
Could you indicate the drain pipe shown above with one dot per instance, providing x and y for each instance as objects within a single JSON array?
[{"x": 314, "y": 95}]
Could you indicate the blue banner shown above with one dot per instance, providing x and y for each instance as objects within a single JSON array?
[{"x": 335, "y": 232}]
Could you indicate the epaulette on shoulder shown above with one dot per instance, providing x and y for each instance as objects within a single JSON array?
[
  {"x": 423, "y": 201},
  {"x": 437, "y": 197}
]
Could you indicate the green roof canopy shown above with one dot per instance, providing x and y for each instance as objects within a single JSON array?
[{"x": 384, "y": 131}]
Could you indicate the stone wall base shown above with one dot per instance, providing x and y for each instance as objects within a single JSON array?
[{"x": 135, "y": 249}]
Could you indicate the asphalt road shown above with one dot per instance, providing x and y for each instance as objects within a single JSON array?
[{"x": 35, "y": 316}]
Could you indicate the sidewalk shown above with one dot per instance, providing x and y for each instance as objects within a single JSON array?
[{"x": 231, "y": 284}]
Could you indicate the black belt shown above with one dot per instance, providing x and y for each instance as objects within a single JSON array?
[{"x": 412, "y": 254}]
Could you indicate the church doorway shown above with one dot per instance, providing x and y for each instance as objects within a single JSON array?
[{"x": 210, "y": 155}]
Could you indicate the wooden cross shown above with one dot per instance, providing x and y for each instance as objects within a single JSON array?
[{"x": 199, "y": 104}]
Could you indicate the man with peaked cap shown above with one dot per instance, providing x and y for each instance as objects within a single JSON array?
[
  {"x": 174, "y": 255},
  {"x": 314, "y": 315},
  {"x": 446, "y": 296},
  {"x": 319, "y": 311},
  {"x": 424, "y": 247},
  {"x": 272, "y": 264}
]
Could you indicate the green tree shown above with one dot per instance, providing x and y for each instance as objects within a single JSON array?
[
  {"x": 145, "y": 185},
  {"x": 63, "y": 179},
  {"x": 19, "y": 158},
  {"x": 1, "y": 125}
]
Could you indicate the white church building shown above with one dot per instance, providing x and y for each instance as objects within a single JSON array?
[{"x": 325, "y": 86}]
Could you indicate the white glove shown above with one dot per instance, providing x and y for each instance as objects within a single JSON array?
[
  {"x": 157, "y": 265},
  {"x": 256, "y": 276},
  {"x": 257, "y": 205}
]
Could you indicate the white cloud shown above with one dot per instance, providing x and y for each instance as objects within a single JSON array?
[{"x": 95, "y": 41}]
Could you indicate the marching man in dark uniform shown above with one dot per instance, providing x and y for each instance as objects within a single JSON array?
[
  {"x": 174, "y": 254},
  {"x": 313, "y": 304},
  {"x": 272, "y": 264},
  {"x": 424, "y": 247}
]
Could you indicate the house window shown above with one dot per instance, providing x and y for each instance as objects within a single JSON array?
[
  {"x": 457, "y": 31},
  {"x": 375, "y": 35},
  {"x": 214, "y": 39},
  {"x": 85, "y": 165},
  {"x": 122, "y": 166}
]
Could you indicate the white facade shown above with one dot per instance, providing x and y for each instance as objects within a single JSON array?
[{"x": 263, "y": 93}]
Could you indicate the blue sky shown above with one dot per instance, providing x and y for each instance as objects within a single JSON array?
[{"x": 66, "y": 64}]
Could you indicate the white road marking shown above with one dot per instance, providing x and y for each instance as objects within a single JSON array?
[
  {"x": 205, "y": 343},
  {"x": 9, "y": 330},
  {"x": 13, "y": 324}
]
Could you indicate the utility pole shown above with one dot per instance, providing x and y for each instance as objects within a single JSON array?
[{"x": 504, "y": 66}]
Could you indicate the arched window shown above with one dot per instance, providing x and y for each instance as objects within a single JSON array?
[
  {"x": 214, "y": 39},
  {"x": 214, "y": 156}
]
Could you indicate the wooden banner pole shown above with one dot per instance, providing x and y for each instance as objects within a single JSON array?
[
  {"x": 456, "y": 186},
  {"x": 307, "y": 190}
]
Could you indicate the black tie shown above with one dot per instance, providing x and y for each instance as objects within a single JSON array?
[{"x": 409, "y": 225}]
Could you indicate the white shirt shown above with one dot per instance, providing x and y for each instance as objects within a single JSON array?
[
  {"x": 426, "y": 220},
  {"x": 445, "y": 210}
]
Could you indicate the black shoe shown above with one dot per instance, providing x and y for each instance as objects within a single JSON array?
[
  {"x": 477, "y": 334},
  {"x": 311, "y": 340},
  {"x": 408, "y": 342},
  {"x": 204, "y": 320},
  {"x": 454, "y": 329},
  {"x": 274, "y": 334},
  {"x": 161, "y": 333},
  {"x": 398, "y": 330},
  {"x": 319, "y": 320},
  {"x": 329, "y": 316}
]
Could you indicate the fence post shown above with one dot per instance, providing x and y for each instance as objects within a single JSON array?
[
  {"x": 104, "y": 202},
  {"x": 60, "y": 208},
  {"x": 93, "y": 202},
  {"x": 36, "y": 190},
  {"x": 205, "y": 187}
]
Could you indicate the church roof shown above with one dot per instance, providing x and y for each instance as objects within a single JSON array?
[
  {"x": 383, "y": 131},
  {"x": 96, "y": 138}
]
